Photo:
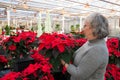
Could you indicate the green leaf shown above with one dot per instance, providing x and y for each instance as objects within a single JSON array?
[
  {"x": 56, "y": 64},
  {"x": 67, "y": 57},
  {"x": 7, "y": 30}
]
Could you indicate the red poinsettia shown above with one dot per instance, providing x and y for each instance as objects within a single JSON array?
[
  {"x": 42, "y": 66},
  {"x": 59, "y": 46},
  {"x": 113, "y": 42},
  {"x": 11, "y": 76},
  {"x": 58, "y": 41},
  {"x": 113, "y": 46},
  {"x": 112, "y": 71},
  {"x": 37, "y": 57},
  {"x": 3, "y": 62},
  {"x": 80, "y": 42},
  {"x": 40, "y": 70},
  {"x": 1, "y": 39},
  {"x": 31, "y": 69},
  {"x": 12, "y": 47},
  {"x": 19, "y": 45},
  {"x": 3, "y": 59},
  {"x": 56, "y": 46},
  {"x": 64, "y": 70}
]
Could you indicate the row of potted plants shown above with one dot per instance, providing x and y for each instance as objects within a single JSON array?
[{"x": 52, "y": 47}]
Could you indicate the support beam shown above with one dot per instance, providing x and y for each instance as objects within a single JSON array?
[
  {"x": 63, "y": 23},
  {"x": 8, "y": 17}
]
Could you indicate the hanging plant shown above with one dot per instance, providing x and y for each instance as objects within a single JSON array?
[
  {"x": 57, "y": 27},
  {"x": 77, "y": 27},
  {"x": 43, "y": 27},
  {"x": 7, "y": 30},
  {"x": 72, "y": 28}
]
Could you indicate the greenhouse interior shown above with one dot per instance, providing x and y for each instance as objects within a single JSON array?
[{"x": 36, "y": 34}]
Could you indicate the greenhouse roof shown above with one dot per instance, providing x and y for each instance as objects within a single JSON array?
[{"x": 60, "y": 7}]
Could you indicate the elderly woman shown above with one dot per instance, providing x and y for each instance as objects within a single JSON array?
[{"x": 91, "y": 59}]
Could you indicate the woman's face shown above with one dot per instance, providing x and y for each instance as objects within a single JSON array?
[{"x": 88, "y": 31}]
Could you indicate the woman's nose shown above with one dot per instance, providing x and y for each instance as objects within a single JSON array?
[
  {"x": 82, "y": 29},
  {"x": 81, "y": 32}
]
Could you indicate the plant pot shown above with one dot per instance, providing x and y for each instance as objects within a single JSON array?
[
  {"x": 1, "y": 66},
  {"x": 61, "y": 76},
  {"x": 3, "y": 72},
  {"x": 20, "y": 64},
  {"x": 118, "y": 62}
]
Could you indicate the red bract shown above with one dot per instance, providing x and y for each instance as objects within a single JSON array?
[
  {"x": 3, "y": 59},
  {"x": 64, "y": 70},
  {"x": 47, "y": 77},
  {"x": 50, "y": 77},
  {"x": 118, "y": 74},
  {"x": 42, "y": 66},
  {"x": 44, "y": 78},
  {"x": 53, "y": 41},
  {"x": 31, "y": 69},
  {"x": 43, "y": 62},
  {"x": 46, "y": 68},
  {"x": 113, "y": 42},
  {"x": 37, "y": 56},
  {"x": 111, "y": 51},
  {"x": 112, "y": 70},
  {"x": 117, "y": 53},
  {"x": 41, "y": 70},
  {"x": 11, "y": 76},
  {"x": 12, "y": 47},
  {"x": 6, "y": 39},
  {"x": 80, "y": 42},
  {"x": 113, "y": 47},
  {"x": 1, "y": 38},
  {"x": 107, "y": 75},
  {"x": 16, "y": 38},
  {"x": 26, "y": 79},
  {"x": 56, "y": 46},
  {"x": 20, "y": 44},
  {"x": 25, "y": 35}
]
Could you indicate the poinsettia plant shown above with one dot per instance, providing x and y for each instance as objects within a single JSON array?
[
  {"x": 51, "y": 48},
  {"x": 58, "y": 46},
  {"x": 78, "y": 35},
  {"x": 40, "y": 70},
  {"x": 3, "y": 62},
  {"x": 113, "y": 72},
  {"x": 19, "y": 46},
  {"x": 113, "y": 68},
  {"x": 1, "y": 39}
]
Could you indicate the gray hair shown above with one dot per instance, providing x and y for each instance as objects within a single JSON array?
[{"x": 99, "y": 25}]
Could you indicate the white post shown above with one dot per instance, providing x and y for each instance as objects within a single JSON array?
[
  {"x": 48, "y": 28},
  {"x": 81, "y": 23},
  {"x": 63, "y": 23},
  {"x": 27, "y": 24},
  {"x": 39, "y": 31},
  {"x": 31, "y": 23},
  {"x": 16, "y": 23},
  {"x": 2, "y": 24},
  {"x": 8, "y": 17},
  {"x": 0, "y": 30}
]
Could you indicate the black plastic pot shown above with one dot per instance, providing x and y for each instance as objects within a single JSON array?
[{"x": 20, "y": 64}]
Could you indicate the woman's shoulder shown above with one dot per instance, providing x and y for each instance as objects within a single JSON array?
[{"x": 98, "y": 50}]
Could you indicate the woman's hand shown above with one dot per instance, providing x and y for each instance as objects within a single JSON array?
[{"x": 64, "y": 63}]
